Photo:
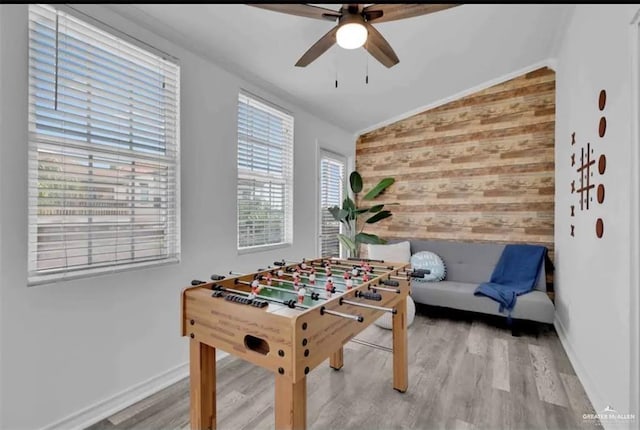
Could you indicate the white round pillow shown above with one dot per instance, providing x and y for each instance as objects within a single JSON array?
[
  {"x": 386, "y": 320},
  {"x": 427, "y": 260}
]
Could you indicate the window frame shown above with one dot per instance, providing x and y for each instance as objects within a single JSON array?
[
  {"x": 288, "y": 180},
  {"x": 336, "y": 157},
  {"x": 172, "y": 229}
]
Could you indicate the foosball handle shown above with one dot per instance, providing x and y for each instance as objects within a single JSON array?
[
  {"x": 369, "y": 296},
  {"x": 279, "y": 263},
  {"x": 420, "y": 273},
  {"x": 197, "y": 282},
  {"x": 215, "y": 277},
  {"x": 390, "y": 283}
]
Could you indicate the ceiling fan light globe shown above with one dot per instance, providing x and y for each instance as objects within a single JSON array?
[{"x": 351, "y": 35}]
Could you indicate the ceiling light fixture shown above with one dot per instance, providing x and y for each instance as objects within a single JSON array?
[{"x": 352, "y": 33}]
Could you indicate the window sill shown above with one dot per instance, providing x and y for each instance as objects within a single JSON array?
[{"x": 262, "y": 248}]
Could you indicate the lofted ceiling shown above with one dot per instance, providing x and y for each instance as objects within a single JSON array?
[{"x": 441, "y": 54}]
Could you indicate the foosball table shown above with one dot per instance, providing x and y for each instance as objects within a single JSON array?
[{"x": 289, "y": 318}]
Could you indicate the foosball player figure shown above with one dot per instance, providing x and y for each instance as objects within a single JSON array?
[
  {"x": 303, "y": 265},
  {"x": 365, "y": 277},
  {"x": 348, "y": 281},
  {"x": 329, "y": 288},
  {"x": 268, "y": 278},
  {"x": 366, "y": 267},
  {"x": 296, "y": 283},
  {"x": 312, "y": 276},
  {"x": 255, "y": 288},
  {"x": 280, "y": 276},
  {"x": 355, "y": 271},
  {"x": 301, "y": 293}
]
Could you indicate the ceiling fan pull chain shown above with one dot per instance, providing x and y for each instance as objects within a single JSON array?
[{"x": 366, "y": 79}]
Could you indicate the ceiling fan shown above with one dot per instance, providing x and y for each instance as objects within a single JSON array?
[{"x": 354, "y": 27}]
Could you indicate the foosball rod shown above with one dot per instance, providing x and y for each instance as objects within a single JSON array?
[
  {"x": 338, "y": 271},
  {"x": 391, "y": 290},
  {"x": 350, "y": 262},
  {"x": 337, "y": 280},
  {"x": 346, "y": 267},
  {"x": 271, "y": 299},
  {"x": 313, "y": 296},
  {"x": 364, "y": 305},
  {"x": 289, "y": 282},
  {"x": 316, "y": 265},
  {"x": 358, "y": 318}
]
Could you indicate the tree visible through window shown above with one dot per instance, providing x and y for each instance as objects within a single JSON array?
[
  {"x": 331, "y": 189},
  {"x": 265, "y": 173},
  {"x": 103, "y": 150}
]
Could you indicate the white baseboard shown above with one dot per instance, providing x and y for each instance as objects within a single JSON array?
[
  {"x": 581, "y": 373},
  {"x": 105, "y": 408}
]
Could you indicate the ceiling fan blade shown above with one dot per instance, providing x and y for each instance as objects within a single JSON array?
[
  {"x": 318, "y": 48},
  {"x": 378, "y": 46},
  {"x": 393, "y": 11},
  {"x": 301, "y": 9}
]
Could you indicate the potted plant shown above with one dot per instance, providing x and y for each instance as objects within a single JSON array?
[{"x": 349, "y": 214}]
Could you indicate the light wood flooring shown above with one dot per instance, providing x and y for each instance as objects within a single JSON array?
[{"x": 465, "y": 372}]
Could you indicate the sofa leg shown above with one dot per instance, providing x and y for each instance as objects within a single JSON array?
[{"x": 515, "y": 328}]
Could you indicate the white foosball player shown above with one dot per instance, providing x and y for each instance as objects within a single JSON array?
[{"x": 301, "y": 293}]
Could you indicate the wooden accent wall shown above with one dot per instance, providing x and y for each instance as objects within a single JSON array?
[{"x": 480, "y": 168}]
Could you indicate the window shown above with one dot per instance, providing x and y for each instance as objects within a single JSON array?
[
  {"x": 265, "y": 174},
  {"x": 103, "y": 151},
  {"x": 331, "y": 186}
]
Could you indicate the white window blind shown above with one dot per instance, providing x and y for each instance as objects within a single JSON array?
[
  {"x": 103, "y": 151},
  {"x": 265, "y": 174},
  {"x": 331, "y": 186}
]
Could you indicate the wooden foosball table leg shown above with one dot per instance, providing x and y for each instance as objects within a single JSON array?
[
  {"x": 290, "y": 403},
  {"x": 400, "y": 353},
  {"x": 202, "y": 367},
  {"x": 336, "y": 361}
]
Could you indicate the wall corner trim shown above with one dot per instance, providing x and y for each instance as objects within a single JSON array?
[
  {"x": 105, "y": 408},
  {"x": 581, "y": 373},
  {"x": 548, "y": 62}
]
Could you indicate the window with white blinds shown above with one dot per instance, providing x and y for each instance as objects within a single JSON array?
[
  {"x": 265, "y": 174},
  {"x": 103, "y": 151},
  {"x": 331, "y": 194}
]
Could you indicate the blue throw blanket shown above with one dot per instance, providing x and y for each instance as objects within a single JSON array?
[{"x": 516, "y": 273}]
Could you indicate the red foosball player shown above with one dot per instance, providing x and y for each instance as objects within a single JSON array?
[
  {"x": 365, "y": 277},
  {"x": 312, "y": 276},
  {"x": 329, "y": 288},
  {"x": 255, "y": 289},
  {"x": 268, "y": 279},
  {"x": 301, "y": 293},
  {"x": 348, "y": 281},
  {"x": 296, "y": 284},
  {"x": 366, "y": 267}
]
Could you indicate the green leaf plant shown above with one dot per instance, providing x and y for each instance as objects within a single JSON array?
[{"x": 349, "y": 214}]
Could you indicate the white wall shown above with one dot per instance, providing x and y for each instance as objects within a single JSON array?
[
  {"x": 69, "y": 345},
  {"x": 593, "y": 304}
]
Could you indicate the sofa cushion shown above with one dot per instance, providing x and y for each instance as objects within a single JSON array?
[
  {"x": 534, "y": 306},
  {"x": 399, "y": 252},
  {"x": 427, "y": 260}
]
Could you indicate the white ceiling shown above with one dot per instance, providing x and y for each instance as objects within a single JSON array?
[{"x": 440, "y": 54}]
